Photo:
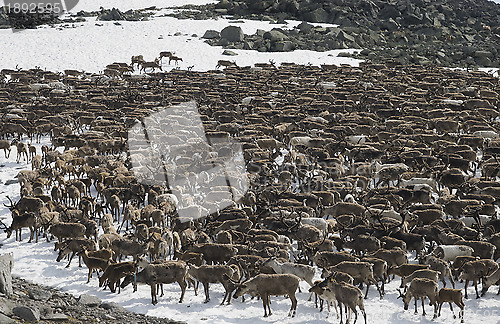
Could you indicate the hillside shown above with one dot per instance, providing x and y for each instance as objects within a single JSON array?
[{"x": 450, "y": 33}]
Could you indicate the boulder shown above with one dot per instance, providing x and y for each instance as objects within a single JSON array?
[
  {"x": 58, "y": 317},
  {"x": 27, "y": 313},
  {"x": 223, "y": 4},
  {"x": 483, "y": 54},
  {"x": 89, "y": 300},
  {"x": 39, "y": 294},
  {"x": 317, "y": 16},
  {"x": 304, "y": 27},
  {"x": 229, "y": 53},
  {"x": 275, "y": 36},
  {"x": 211, "y": 34},
  {"x": 113, "y": 14},
  {"x": 6, "y": 264},
  {"x": 232, "y": 34},
  {"x": 6, "y": 320},
  {"x": 113, "y": 307},
  {"x": 284, "y": 46}
]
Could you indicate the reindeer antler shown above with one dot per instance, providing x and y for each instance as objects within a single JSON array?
[
  {"x": 12, "y": 205},
  {"x": 3, "y": 225}
]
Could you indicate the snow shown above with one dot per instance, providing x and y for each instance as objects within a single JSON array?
[
  {"x": 88, "y": 47},
  {"x": 93, "y": 5},
  {"x": 36, "y": 262},
  {"x": 91, "y": 45}
]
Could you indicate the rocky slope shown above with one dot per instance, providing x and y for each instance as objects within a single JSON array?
[
  {"x": 445, "y": 32},
  {"x": 35, "y": 303}
]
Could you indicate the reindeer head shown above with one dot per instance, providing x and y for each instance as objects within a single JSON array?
[
  {"x": 406, "y": 298},
  {"x": 7, "y": 230}
]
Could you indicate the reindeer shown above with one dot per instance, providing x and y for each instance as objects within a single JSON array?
[
  {"x": 138, "y": 59},
  {"x": 449, "y": 295},
  {"x": 421, "y": 288},
  {"x": 174, "y": 58},
  {"x": 154, "y": 65},
  {"x": 348, "y": 295},
  {"x": 266, "y": 285},
  {"x": 93, "y": 263},
  {"x": 22, "y": 150},
  {"x": 18, "y": 222},
  {"x": 225, "y": 63},
  {"x": 5, "y": 146},
  {"x": 166, "y": 54}
]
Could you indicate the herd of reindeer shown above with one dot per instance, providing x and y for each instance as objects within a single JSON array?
[{"x": 360, "y": 173}]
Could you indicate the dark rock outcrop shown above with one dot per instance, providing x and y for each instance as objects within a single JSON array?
[{"x": 420, "y": 31}]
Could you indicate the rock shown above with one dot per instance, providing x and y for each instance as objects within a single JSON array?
[
  {"x": 6, "y": 306},
  {"x": 483, "y": 54},
  {"x": 113, "y": 307},
  {"x": 6, "y": 264},
  {"x": 55, "y": 317},
  {"x": 285, "y": 46},
  {"x": 343, "y": 36},
  {"x": 275, "y": 36},
  {"x": 483, "y": 61},
  {"x": 113, "y": 14},
  {"x": 304, "y": 27},
  {"x": 6, "y": 320},
  {"x": 211, "y": 34},
  {"x": 39, "y": 294},
  {"x": 232, "y": 34},
  {"x": 260, "y": 32},
  {"x": 389, "y": 24},
  {"x": 229, "y": 53},
  {"x": 223, "y": 4},
  {"x": 344, "y": 54},
  {"x": 89, "y": 300},
  {"x": 27, "y": 313},
  {"x": 317, "y": 16},
  {"x": 108, "y": 317}
]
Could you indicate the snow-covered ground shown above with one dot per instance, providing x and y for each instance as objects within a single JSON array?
[
  {"x": 89, "y": 47},
  {"x": 36, "y": 262}
]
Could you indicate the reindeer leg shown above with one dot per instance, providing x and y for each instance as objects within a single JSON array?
[
  {"x": 451, "y": 307},
  {"x": 264, "y": 303},
  {"x": 380, "y": 292},
  {"x": 205, "y": 287},
  {"x": 341, "y": 315},
  {"x": 70, "y": 258},
  {"x": 475, "y": 286},
  {"x": 154, "y": 301},
  {"x": 423, "y": 308},
  {"x": 466, "y": 284}
]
